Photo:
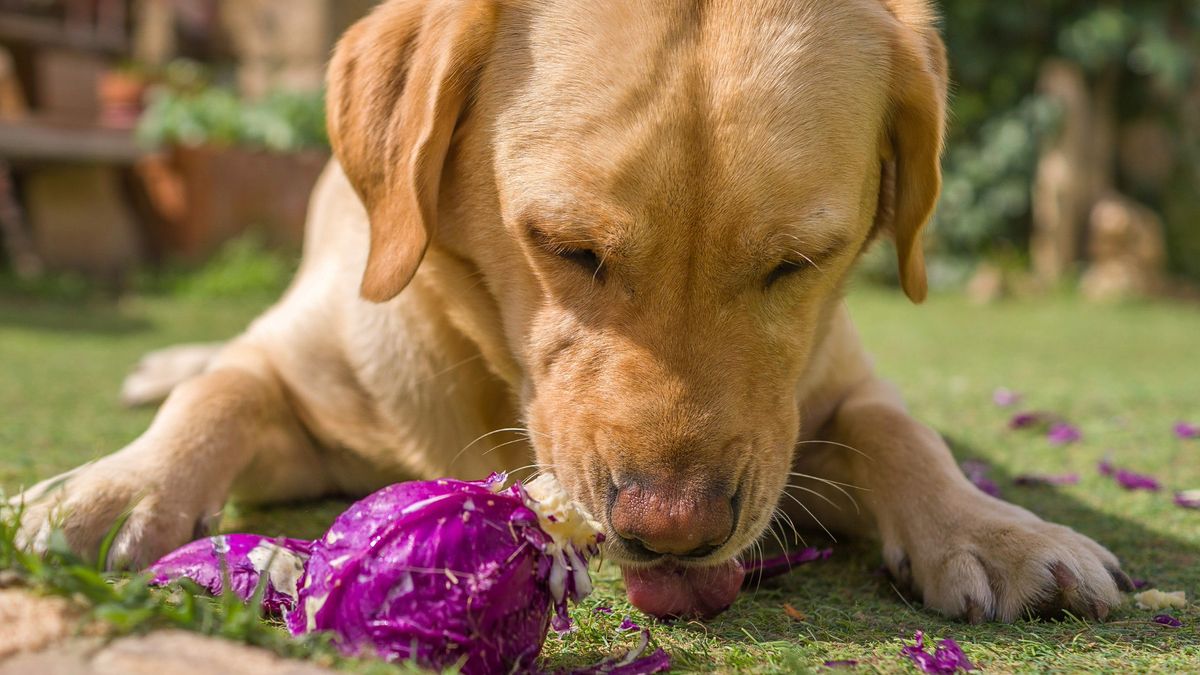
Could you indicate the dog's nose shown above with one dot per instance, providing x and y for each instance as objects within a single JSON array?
[{"x": 665, "y": 522}]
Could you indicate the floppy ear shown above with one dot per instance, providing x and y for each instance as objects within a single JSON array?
[
  {"x": 398, "y": 82},
  {"x": 912, "y": 175}
]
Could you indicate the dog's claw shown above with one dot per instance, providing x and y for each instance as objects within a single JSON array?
[
  {"x": 1064, "y": 577},
  {"x": 904, "y": 572},
  {"x": 973, "y": 611},
  {"x": 1122, "y": 580}
]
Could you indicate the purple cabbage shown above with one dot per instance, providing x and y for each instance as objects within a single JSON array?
[
  {"x": 947, "y": 658},
  {"x": 443, "y": 572},
  {"x": 843, "y": 663},
  {"x": 244, "y": 558}
]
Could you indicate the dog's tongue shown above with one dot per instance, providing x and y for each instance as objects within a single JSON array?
[{"x": 669, "y": 591}]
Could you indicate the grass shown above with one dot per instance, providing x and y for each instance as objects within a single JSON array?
[{"x": 1124, "y": 374}]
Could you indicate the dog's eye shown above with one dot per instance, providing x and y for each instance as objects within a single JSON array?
[
  {"x": 585, "y": 258},
  {"x": 785, "y": 269}
]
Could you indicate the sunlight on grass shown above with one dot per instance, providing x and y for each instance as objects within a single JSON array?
[{"x": 1123, "y": 374}]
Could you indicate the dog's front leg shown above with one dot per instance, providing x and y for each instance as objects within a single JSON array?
[
  {"x": 965, "y": 553},
  {"x": 231, "y": 423}
]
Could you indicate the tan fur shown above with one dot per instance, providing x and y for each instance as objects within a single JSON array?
[{"x": 693, "y": 146}]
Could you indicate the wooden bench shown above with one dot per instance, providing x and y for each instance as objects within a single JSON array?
[{"x": 75, "y": 197}]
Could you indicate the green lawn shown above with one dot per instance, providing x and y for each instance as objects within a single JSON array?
[{"x": 1124, "y": 374}]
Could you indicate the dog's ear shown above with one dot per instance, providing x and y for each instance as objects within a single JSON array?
[
  {"x": 912, "y": 173},
  {"x": 398, "y": 82}
]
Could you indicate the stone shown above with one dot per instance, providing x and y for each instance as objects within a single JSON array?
[{"x": 1126, "y": 251}]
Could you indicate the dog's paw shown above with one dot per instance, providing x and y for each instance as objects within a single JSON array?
[
  {"x": 150, "y": 515},
  {"x": 993, "y": 561}
]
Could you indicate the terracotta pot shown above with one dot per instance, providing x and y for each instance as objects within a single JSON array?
[
  {"x": 121, "y": 98},
  {"x": 204, "y": 196}
]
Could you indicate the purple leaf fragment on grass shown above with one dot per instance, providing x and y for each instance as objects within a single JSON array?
[
  {"x": 1129, "y": 479},
  {"x": 1139, "y": 584},
  {"x": 242, "y": 558},
  {"x": 843, "y": 663},
  {"x": 1005, "y": 398},
  {"x": 1189, "y": 499},
  {"x": 603, "y": 610},
  {"x": 633, "y": 663},
  {"x": 1034, "y": 419},
  {"x": 1064, "y": 434},
  {"x": 770, "y": 568},
  {"x": 1187, "y": 431},
  {"x": 947, "y": 658},
  {"x": 977, "y": 472},
  {"x": 628, "y": 624},
  {"x": 1034, "y": 479},
  {"x": 1168, "y": 620}
]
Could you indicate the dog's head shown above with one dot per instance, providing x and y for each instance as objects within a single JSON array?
[{"x": 662, "y": 201}]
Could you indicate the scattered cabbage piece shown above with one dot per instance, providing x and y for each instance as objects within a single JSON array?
[
  {"x": 977, "y": 472},
  {"x": 947, "y": 658},
  {"x": 1189, "y": 499},
  {"x": 1129, "y": 479},
  {"x": 1034, "y": 419},
  {"x": 450, "y": 572},
  {"x": 632, "y": 663},
  {"x": 769, "y": 568},
  {"x": 843, "y": 663},
  {"x": 1156, "y": 599},
  {"x": 1187, "y": 431},
  {"x": 1064, "y": 434},
  {"x": 1033, "y": 479},
  {"x": 243, "y": 557},
  {"x": 1005, "y": 398},
  {"x": 1168, "y": 620}
]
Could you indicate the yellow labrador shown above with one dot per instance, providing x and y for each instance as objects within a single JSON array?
[{"x": 623, "y": 227}]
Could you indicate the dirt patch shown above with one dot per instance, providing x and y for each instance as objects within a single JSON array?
[{"x": 32, "y": 622}]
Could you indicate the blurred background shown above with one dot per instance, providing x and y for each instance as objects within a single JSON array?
[{"x": 139, "y": 138}]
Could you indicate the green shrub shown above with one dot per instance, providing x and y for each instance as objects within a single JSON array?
[
  {"x": 282, "y": 122},
  {"x": 998, "y": 123}
]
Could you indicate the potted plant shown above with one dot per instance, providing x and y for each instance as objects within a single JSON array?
[
  {"x": 230, "y": 164},
  {"x": 120, "y": 95}
]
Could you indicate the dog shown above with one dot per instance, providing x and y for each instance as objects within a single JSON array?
[{"x": 621, "y": 231}]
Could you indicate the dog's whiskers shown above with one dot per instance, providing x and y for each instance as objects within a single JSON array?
[
  {"x": 523, "y": 439},
  {"x": 807, "y": 259},
  {"x": 811, "y": 514},
  {"x": 823, "y": 497},
  {"x": 837, "y": 444},
  {"x": 811, "y": 491},
  {"x": 783, "y": 517},
  {"x": 835, "y": 485},
  {"x": 468, "y": 446},
  {"x": 452, "y": 368}
]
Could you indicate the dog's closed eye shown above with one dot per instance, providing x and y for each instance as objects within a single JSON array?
[
  {"x": 586, "y": 259},
  {"x": 785, "y": 270}
]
